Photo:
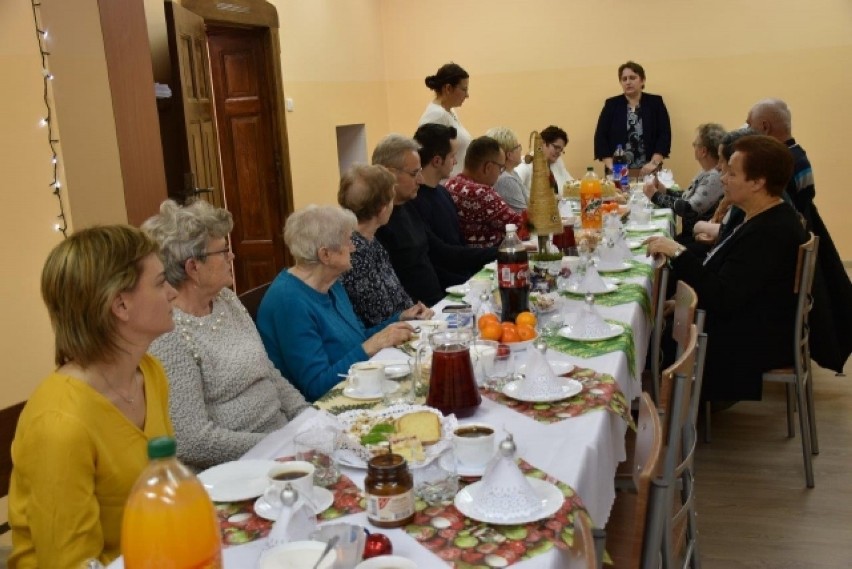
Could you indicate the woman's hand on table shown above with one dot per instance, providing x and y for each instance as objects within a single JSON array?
[
  {"x": 393, "y": 335},
  {"x": 663, "y": 246},
  {"x": 651, "y": 187},
  {"x": 649, "y": 168},
  {"x": 417, "y": 312}
]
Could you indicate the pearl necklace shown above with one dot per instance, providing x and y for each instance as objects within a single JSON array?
[{"x": 187, "y": 325}]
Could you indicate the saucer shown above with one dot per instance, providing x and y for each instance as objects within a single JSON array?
[
  {"x": 567, "y": 388},
  {"x": 550, "y": 496},
  {"x": 643, "y": 227},
  {"x": 323, "y": 499},
  {"x": 614, "y": 267},
  {"x": 462, "y": 470},
  {"x": 458, "y": 290},
  {"x": 614, "y": 331},
  {"x": 352, "y": 393},
  {"x": 610, "y": 287}
]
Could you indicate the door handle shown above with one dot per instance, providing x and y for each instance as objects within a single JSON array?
[{"x": 197, "y": 191}]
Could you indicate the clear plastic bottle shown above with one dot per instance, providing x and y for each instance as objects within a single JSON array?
[
  {"x": 513, "y": 267},
  {"x": 590, "y": 200},
  {"x": 169, "y": 520}
]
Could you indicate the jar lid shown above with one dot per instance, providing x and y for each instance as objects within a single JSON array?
[{"x": 387, "y": 461}]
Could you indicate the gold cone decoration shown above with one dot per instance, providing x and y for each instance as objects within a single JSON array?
[{"x": 543, "y": 210}]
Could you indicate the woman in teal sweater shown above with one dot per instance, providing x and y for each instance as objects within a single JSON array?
[{"x": 306, "y": 320}]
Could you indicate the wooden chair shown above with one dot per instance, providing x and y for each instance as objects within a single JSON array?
[
  {"x": 625, "y": 532},
  {"x": 251, "y": 299},
  {"x": 584, "y": 543},
  {"x": 8, "y": 424},
  {"x": 798, "y": 379},
  {"x": 658, "y": 299}
]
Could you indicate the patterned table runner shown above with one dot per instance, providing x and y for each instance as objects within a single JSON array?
[
  {"x": 625, "y": 293},
  {"x": 239, "y": 523},
  {"x": 622, "y": 343},
  {"x": 600, "y": 391},
  {"x": 467, "y": 544}
]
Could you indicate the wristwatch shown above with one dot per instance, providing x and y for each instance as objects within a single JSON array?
[{"x": 679, "y": 252}]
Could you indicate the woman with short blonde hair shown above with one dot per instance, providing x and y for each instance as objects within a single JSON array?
[
  {"x": 509, "y": 184},
  {"x": 82, "y": 437}
]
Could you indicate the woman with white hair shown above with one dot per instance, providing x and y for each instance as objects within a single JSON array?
[
  {"x": 509, "y": 185},
  {"x": 225, "y": 393},
  {"x": 306, "y": 321}
]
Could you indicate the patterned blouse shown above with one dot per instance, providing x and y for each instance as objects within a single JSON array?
[
  {"x": 635, "y": 149},
  {"x": 483, "y": 214},
  {"x": 372, "y": 285}
]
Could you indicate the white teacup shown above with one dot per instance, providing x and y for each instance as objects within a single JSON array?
[
  {"x": 366, "y": 377},
  {"x": 473, "y": 444},
  {"x": 429, "y": 326},
  {"x": 296, "y": 473}
]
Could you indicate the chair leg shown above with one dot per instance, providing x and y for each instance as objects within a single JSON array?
[
  {"x": 707, "y": 410},
  {"x": 806, "y": 434},
  {"x": 809, "y": 392},
  {"x": 599, "y": 537},
  {"x": 791, "y": 410}
]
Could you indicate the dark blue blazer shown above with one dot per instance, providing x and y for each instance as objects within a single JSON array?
[{"x": 612, "y": 126}]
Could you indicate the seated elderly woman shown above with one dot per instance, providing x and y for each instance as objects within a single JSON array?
[
  {"x": 746, "y": 282},
  {"x": 555, "y": 140},
  {"x": 82, "y": 438},
  {"x": 373, "y": 287},
  {"x": 699, "y": 201},
  {"x": 306, "y": 321},
  {"x": 509, "y": 185},
  {"x": 225, "y": 394}
]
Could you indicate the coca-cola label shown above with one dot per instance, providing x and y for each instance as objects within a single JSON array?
[{"x": 513, "y": 275}]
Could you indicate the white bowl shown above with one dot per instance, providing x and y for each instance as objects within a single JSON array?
[
  {"x": 387, "y": 562},
  {"x": 296, "y": 555}
]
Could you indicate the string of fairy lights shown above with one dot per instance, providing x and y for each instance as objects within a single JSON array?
[{"x": 61, "y": 224}]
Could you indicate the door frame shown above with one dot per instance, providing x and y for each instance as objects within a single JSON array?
[{"x": 259, "y": 14}]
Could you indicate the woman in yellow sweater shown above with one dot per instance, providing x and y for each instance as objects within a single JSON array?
[{"x": 82, "y": 437}]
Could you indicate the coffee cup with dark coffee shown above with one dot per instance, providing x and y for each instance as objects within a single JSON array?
[
  {"x": 473, "y": 444},
  {"x": 298, "y": 474}
]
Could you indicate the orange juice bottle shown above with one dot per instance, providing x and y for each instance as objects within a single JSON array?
[
  {"x": 590, "y": 200},
  {"x": 169, "y": 520}
]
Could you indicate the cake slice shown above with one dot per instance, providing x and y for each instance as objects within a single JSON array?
[{"x": 425, "y": 425}]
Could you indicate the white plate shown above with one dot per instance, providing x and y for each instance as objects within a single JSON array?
[
  {"x": 492, "y": 266},
  {"x": 352, "y": 393},
  {"x": 461, "y": 469},
  {"x": 615, "y": 330},
  {"x": 396, "y": 369},
  {"x": 558, "y": 367},
  {"x": 610, "y": 287},
  {"x": 323, "y": 499},
  {"x": 568, "y": 388},
  {"x": 387, "y": 562},
  {"x": 551, "y": 500},
  {"x": 237, "y": 480},
  {"x": 635, "y": 243},
  {"x": 296, "y": 554},
  {"x": 458, "y": 290},
  {"x": 606, "y": 268},
  {"x": 642, "y": 227}
]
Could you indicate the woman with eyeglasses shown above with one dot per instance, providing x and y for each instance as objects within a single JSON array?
[
  {"x": 509, "y": 184},
  {"x": 637, "y": 121},
  {"x": 450, "y": 85},
  {"x": 554, "y": 141},
  {"x": 225, "y": 393}
]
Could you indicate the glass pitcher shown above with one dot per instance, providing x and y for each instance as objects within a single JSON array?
[{"x": 452, "y": 385}]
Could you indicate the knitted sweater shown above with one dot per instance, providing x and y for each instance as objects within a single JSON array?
[{"x": 225, "y": 394}]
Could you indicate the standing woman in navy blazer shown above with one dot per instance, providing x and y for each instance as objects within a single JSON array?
[{"x": 638, "y": 121}]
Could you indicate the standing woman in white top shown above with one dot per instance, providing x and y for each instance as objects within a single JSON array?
[{"x": 450, "y": 85}]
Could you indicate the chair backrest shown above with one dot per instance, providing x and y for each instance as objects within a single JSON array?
[
  {"x": 675, "y": 406},
  {"x": 584, "y": 544},
  {"x": 8, "y": 424},
  {"x": 805, "y": 268},
  {"x": 686, "y": 302},
  {"x": 658, "y": 298},
  {"x": 646, "y": 463},
  {"x": 251, "y": 299}
]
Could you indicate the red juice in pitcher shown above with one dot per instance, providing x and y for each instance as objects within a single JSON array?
[{"x": 452, "y": 387}]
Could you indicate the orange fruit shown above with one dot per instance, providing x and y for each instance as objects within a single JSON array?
[
  {"x": 491, "y": 331},
  {"x": 526, "y": 332},
  {"x": 510, "y": 335},
  {"x": 506, "y": 325},
  {"x": 487, "y": 319},
  {"x": 527, "y": 318}
]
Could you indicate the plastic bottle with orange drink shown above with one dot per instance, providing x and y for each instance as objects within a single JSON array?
[
  {"x": 590, "y": 200},
  {"x": 169, "y": 520}
]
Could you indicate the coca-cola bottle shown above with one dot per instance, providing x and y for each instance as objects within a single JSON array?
[{"x": 513, "y": 267}]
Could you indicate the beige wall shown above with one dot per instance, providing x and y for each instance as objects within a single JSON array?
[{"x": 555, "y": 62}]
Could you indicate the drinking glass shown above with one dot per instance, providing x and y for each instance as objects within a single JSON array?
[
  {"x": 400, "y": 390},
  {"x": 437, "y": 482},
  {"x": 321, "y": 448},
  {"x": 499, "y": 369}
]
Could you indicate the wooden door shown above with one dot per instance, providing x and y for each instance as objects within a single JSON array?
[
  {"x": 193, "y": 103},
  {"x": 251, "y": 169}
]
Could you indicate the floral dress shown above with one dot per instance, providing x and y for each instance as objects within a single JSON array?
[{"x": 635, "y": 149}]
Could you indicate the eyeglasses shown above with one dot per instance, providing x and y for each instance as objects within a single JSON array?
[
  {"x": 501, "y": 166},
  {"x": 224, "y": 252},
  {"x": 559, "y": 149},
  {"x": 413, "y": 174}
]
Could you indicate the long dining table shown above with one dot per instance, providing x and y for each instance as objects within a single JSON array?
[{"x": 582, "y": 451}]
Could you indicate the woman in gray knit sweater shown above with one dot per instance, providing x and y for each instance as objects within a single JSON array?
[{"x": 224, "y": 393}]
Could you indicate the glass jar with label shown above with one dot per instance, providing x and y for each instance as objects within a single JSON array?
[{"x": 390, "y": 491}]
